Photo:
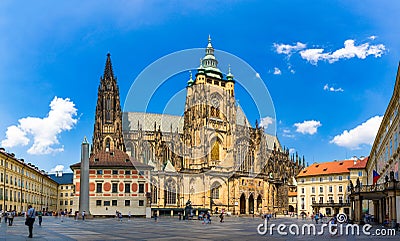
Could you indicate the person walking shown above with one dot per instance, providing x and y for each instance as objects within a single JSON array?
[
  {"x": 10, "y": 218},
  {"x": 129, "y": 216},
  {"x": 83, "y": 215},
  {"x": 40, "y": 217},
  {"x": 30, "y": 219},
  {"x": 316, "y": 218},
  {"x": 155, "y": 216}
]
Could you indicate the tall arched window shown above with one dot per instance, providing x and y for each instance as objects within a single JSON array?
[
  {"x": 147, "y": 152},
  {"x": 107, "y": 144},
  {"x": 215, "y": 152},
  {"x": 170, "y": 192},
  {"x": 154, "y": 193},
  {"x": 241, "y": 155},
  {"x": 215, "y": 190}
]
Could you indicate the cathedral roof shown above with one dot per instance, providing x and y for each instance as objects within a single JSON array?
[{"x": 146, "y": 122}]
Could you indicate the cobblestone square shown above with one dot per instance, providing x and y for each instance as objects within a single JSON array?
[{"x": 167, "y": 228}]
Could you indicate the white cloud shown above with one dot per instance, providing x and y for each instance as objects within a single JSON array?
[
  {"x": 265, "y": 122},
  {"x": 308, "y": 127},
  {"x": 331, "y": 89},
  {"x": 15, "y": 137},
  {"x": 349, "y": 51},
  {"x": 277, "y": 71},
  {"x": 288, "y": 49},
  {"x": 58, "y": 168},
  {"x": 372, "y": 37},
  {"x": 362, "y": 134},
  {"x": 287, "y": 133},
  {"x": 44, "y": 131}
]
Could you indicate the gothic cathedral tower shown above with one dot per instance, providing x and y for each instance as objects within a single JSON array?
[
  {"x": 210, "y": 116},
  {"x": 107, "y": 133}
]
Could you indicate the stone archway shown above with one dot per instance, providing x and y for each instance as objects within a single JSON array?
[
  {"x": 251, "y": 204},
  {"x": 291, "y": 208},
  {"x": 259, "y": 204},
  {"x": 242, "y": 204}
]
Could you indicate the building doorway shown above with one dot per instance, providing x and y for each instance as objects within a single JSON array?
[
  {"x": 259, "y": 204},
  {"x": 251, "y": 204},
  {"x": 242, "y": 204}
]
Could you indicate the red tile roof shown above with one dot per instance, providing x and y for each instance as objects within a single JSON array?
[
  {"x": 360, "y": 164},
  {"x": 326, "y": 168},
  {"x": 115, "y": 158}
]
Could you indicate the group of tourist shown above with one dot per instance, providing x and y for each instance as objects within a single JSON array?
[{"x": 8, "y": 216}]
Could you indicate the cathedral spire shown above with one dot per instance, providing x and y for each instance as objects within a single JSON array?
[
  {"x": 108, "y": 71},
  {"x": 107, "y": 135}
]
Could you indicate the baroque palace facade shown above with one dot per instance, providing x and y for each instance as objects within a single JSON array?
[
  {"x": 211, "y": 156},
  {"x": 22, "y": 184}
]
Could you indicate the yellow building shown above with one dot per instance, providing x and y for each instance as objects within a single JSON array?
[
  {"x": 323, "y": 187},
  {"x": 66, "y": 191},
  {"x": 22, "y": 184}
]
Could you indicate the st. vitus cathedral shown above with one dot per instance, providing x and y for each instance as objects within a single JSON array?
[{"x": 211, "y": 156}]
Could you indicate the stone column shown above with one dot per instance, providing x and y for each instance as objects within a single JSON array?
[
  {"x": 247, "y": 206},
  {"x": 84, "y": 179},
  {"x": 357, "y": 209}
]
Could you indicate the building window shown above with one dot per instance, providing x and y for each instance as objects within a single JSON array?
[
  {"x": 302, "y": 180},
  {"x": 313, "y": 179},
  {"x": 330, "y": 179},
  {"x": 321, "y": 189},
  {"x": 71, "y": 202},
  {"x": 312, "y": 199},
  {"x": 340, "y": 189},
  {"x": 302, "y": 190},
  {"x": 99, "y": 187},
  {"x": 114, "y": 188},
  {"x": 141, "y": 203},
  {"x": 66, "y": 202},
  {"x": 61, "y": 202},
  {"x": 127, "y": 203},
  {"x": 170, "y": 192},
  {"x": 330, "y": 199},
  {"x": 340, "y": 178},
  {"x": 360, "y": 173},
  {"x": 340, "y": 199},
  {"x": 321, "y": 179},
  {"x": 141, "y": 187},
  {"x": 215, "y": 193},
  {"x": 66, "y": 194},
  {"x": 330, "y": 189},
  {"x": 99, "y": 172},
  {"x": 115, "y": 172},
  {"x": 154, "y": 192},
  {"x": 321, "y": 199},
  {"x": 312, "y": 189},
  {"x": 127, "y": 188},
  {"x": 107, "y": 203},
  {"x": 114, "y": 202},
  {"x": 127, "y": 172},
  {"x": 98, "y": 202},
  {"x": 61, "y": 194}
]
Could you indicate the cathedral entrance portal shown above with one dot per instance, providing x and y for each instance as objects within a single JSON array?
[
  {"x": 259, "y": 204},
  {"x": 251, "y": 204},
  {"x": 242, "y": 204}
]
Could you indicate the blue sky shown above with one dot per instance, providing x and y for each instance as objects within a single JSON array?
[{"x": 320, "y": 89}]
